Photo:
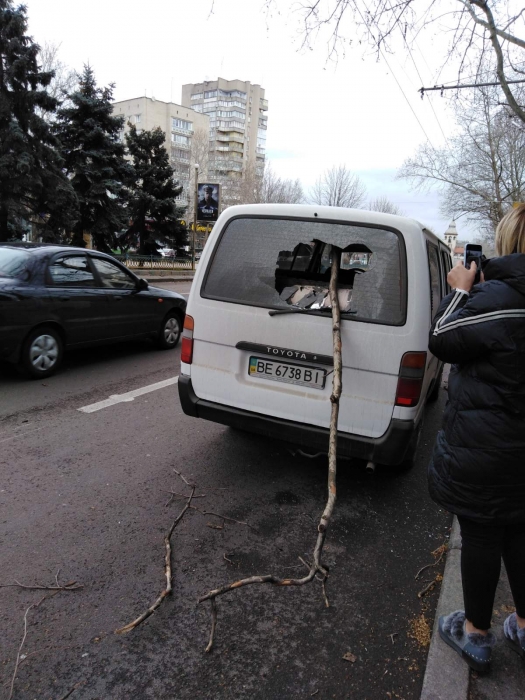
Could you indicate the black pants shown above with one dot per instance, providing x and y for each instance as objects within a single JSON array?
[{"x": 483, "y": 547}]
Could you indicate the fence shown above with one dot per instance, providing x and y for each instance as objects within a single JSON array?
[{"x": 153, "y": 262}]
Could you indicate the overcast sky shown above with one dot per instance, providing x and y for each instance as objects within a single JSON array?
[{"x": 359, "y": 111}]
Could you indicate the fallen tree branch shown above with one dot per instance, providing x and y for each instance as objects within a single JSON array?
[
  {"x": 167, "y": 590},
  {"x": 72, "y": 690},
  {"x": 316, "y": 566},
  {"x": 440, "y": 553},
  {"x": 71, "y": 586}
]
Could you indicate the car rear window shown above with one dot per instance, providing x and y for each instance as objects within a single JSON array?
[
  {"x": 272, "y": 262},
  {"x": 13, "y": 262}
]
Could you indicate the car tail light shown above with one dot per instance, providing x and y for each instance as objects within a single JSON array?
[
  {"x": 186, "y": 355},
  {"x": 411, "y": 375}
]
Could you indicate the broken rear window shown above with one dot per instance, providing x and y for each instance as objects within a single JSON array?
[{"x": 285, "y": 264}]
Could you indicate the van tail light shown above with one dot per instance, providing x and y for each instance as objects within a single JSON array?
[
  {"x": 186, "y": 355},
  {"x": 411, "y": 375}
]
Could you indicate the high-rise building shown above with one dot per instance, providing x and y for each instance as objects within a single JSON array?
[
  {"x": 186, "y": 130},
  {"x": 238, "y": 123}
]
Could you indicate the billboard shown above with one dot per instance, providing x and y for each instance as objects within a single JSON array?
[{"x": 208, "y": 201}]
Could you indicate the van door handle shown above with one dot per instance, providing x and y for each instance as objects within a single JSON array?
[
  {"x": 64, "y": 298},
  {"x": 117, "y": 298}
]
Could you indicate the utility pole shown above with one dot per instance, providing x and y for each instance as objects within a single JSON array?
[{"x": 196, "y": 201}]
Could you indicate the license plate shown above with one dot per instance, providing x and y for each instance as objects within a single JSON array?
[{"x": 283, "y": 372}]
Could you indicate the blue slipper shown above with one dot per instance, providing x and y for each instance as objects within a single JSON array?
[
  {"x": 514, "y": 636},
  {"x": 474, "y": 648}
]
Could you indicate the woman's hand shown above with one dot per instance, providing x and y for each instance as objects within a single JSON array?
[{"x": 461, "y": 278}]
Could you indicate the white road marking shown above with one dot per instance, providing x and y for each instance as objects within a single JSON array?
[{"x": 128, "y": 396}]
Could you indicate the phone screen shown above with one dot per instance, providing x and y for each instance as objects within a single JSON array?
[{"x": 473, "y": 253}]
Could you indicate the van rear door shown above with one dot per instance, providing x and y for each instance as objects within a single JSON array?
[{"x": 263, "y": 330}]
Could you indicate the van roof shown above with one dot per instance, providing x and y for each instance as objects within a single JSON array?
[{"x": 313, "y": 211}]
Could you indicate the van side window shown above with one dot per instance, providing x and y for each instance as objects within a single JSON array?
[
  {"x": 447, "y": 266},
  {"x": 435, "y": 282}
]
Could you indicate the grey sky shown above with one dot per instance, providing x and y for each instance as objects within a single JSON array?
[{"x": 321, "y": 113}]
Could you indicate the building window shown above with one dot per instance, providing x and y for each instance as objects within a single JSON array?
[
  {"x": 181, "y": 124},
  {"x": 178, "y": 138},
  {"x": 210, "y": 93},
  {"x": 137, "y": 118},
  {"x": 197, "y": 96}
]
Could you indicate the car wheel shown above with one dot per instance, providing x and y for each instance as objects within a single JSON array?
[
  {"x": 42, "y": 352},
  {"x": 170, "y": 331},
  {"x": 433, "y": 395}
]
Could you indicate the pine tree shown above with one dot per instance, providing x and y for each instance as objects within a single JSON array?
[
  {"x": 94, "y": 158},
  {"x": 152, "y": 206},
  {"x": 33, "y": 186}
]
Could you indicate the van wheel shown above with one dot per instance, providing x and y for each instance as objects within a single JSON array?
[
  {"x": 169, "y": 332},
  {"x": 433, "y": 395},
  {"x": 409, "y": 460},
  {"x": 42, "y": 352}
]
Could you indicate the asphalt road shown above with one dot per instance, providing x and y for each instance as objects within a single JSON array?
[{"x": 87, "y": 494}]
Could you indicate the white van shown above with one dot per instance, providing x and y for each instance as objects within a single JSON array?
[{"x": 257, "y": 340}]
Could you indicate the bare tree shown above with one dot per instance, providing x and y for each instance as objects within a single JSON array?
[
  {"x": 481, "y": 171},
  {"x": 384, "y": 205},
  {"x": 64, "y": 80},
  {"x": 480, "y": 30},
  {"x": 338, "y": 187},
  {"x": 278, "y": 190}
]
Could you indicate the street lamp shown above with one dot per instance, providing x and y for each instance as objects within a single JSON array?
[{"x": 195, "y": 203}]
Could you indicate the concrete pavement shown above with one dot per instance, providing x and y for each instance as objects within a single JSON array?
[{"x": 447, "y": 676}]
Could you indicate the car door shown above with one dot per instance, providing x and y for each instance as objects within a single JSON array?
[
  {"x": 132, "y": 311},
  {"x": 76, "y": 301}
]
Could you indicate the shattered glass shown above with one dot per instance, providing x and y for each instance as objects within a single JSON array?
[{"x": 285, "y": 264}]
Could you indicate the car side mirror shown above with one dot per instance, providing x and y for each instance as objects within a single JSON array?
[{"x": 142, "y": 285}]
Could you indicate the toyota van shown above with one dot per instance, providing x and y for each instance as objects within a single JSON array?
[{"x": 257, "y": 339}]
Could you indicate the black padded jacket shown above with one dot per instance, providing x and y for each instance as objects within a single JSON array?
[{"x": 478, "y": 465}]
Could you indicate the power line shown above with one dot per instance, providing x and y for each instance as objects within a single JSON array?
[
  {"x": 397, "y": 81},
  {"x": 421, "y": 79}
]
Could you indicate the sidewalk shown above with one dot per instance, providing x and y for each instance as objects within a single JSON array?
[{"x": 447, "y": 676}]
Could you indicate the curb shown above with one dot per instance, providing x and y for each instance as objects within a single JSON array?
[{"x": 447, "y": 676}]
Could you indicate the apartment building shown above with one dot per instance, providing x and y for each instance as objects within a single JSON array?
[
  {"x": 186, "y": 132},
  {"x": 238, "y": 123}
]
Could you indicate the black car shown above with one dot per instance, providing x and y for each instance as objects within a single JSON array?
[{"x": 55, "y": 297}]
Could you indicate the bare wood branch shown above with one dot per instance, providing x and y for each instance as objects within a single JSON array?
[
  {"x": 17, "y": 662},
  {"x": 183, "y": 478},
  {"x": 316, "y": 566},
  {"x": 72, "y": 690},
  {"x": 167, "y": 591},
  {"x": 70, "y": 586}
]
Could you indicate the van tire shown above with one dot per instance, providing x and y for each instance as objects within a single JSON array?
[
  {"x": 433, "y": 394},
  {"x": 409, "y": 459}
]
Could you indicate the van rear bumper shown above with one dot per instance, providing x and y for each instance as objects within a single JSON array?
[{"x": 389, "y": 449}]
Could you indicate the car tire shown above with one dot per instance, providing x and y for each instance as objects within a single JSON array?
[
  {"x": 170, "y": 331},
  {"x": 42, "y": 352},
  {"x": 433, "y": 394}
]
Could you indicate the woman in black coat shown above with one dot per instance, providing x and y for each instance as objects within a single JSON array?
[{"x": 478, "y": 466}]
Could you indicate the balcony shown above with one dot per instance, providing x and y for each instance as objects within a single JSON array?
[
  {"x": 230, "y": 128},
  {"x": 263, "y": 104}
]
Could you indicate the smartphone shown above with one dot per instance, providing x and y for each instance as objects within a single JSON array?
[{"x": 474, "y": 253}]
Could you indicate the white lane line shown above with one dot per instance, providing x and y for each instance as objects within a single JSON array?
[{"x": 128, "y": 396}]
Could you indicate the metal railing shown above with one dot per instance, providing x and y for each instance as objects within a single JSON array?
[{"x": 153, "y": 262}]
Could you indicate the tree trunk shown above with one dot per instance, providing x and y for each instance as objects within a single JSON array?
[{"x": 4, "y": 219}]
